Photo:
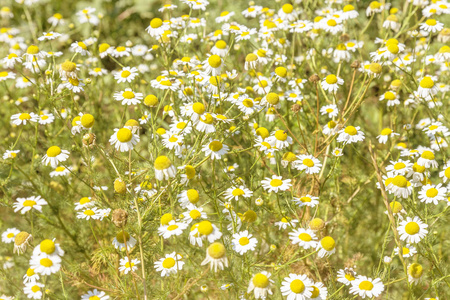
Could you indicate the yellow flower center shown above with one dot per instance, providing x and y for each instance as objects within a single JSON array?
[
  {"x": 251, "y": 57},
  {"x": 297, "y": 286},
  {"x": 156, "y": 23},
  {"x": 412, "y": 228},
  {"x": 331, "y": 23},
  {"x": 431, "y": 22},
  {"x": 427, "y": 155},
  {"x": 168, "y": 263},
  {"x": 244, "y": 241},
  {"x": 53, "y": 151},
  {"x": 308, "y": 162},
  {"x": 35, "y": 288},
  {"x": 192, "y": 196},
  {"x": 260, "y": 280},
  {"x": 350, "y": 130},
  {"x": 24, "y": 116},
  {"x": 87, "y": 120},
  {"x": 431, "y": 193},
  {"x": 198, "y": 108},
  {"x": 46, "y": 262},
  {"x": 216, "y": 250},
  {"x": 172, "y": 227},
  {"x": 276, "y": 182},
  {"x": 415, "y": 270},
  {"x": 125, "y": 74},
  {"x": 195, "y": 214},
  {"x": 304, "y": 237},
  {"x": 205, "y": 228},
  {"x": 331, "y": 79},
  {"x": 399, "y": 166},
  {"x": 400, "y": 181},
  {"x": 396, "y": 206},
  {"x": 29, "y": 203},
  {"x": 426, "y": 82},
  {"x": 124, "y": 135},
  {"x": 287, "y": 8},
  {"x": 215, "y": 146},
  {"x": 237, "y": 192},
  {"x": 128, "y": 95},
  {"x": 215, "y": 61},
  {"x": 162, "y": 163},
  {"x": 328, "y": 243},
  {"x": 123, "y": 236},
  {"x": 386, "y": 131},
  {"x": 366, "y": 285}
]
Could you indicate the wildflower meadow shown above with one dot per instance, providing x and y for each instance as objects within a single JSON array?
[{"x": 211, "y": 149}]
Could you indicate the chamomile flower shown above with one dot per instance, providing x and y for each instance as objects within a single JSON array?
[
  {"x": 89, "y": 213},
  {"x": 164, "y": 169},
  {"x": 261, "y": 285},
  {"x": 124, "y": 139},
  {"x": 95, "y": 294},
  {"x": 346, "y": 276},
  {"x": 308, "y": 163},
  {"x": 213, "y": 65},
  {"x": 243, "y": 242},
  {"x": 33, "y": 290},
  {"x": 127, "y": 74},
  {"x": 412, "y": 230},
  {"x": 60, "y": 171},
  {"x": 427, "y": 160},
  {"x": 188, "y": 197},
  {"x": 305, "y": 238},
  {"x": 30, "y": 276},
  {"x": 350, "y": 134},
  {"x": 128, "y": 97},
  {"x": 9, "y": 235},
  {"x": 407, "y": 251},
  {"x": 331, "y": 83},
  {"x": 399, "y": 186},
  {"x": 193, "y": 213},
  {"x": 124, "y": 239},
  {"x": 307, "y": 200},
  {"x": 215, "y": 149},
  {"x": 10, "y": 154},
  {"x": 427, "y": 87},
  {"x": 26, "y": 204},
  {"x": 204, "y": 230},
  {"x": 24, "y": 118},
  {"x": 276, "y": 184},
  {"x": 216, "y": 257},
  {"x": 399, "y": 167},
  {"x": 173, "y": 228},
  {"x": 170, "y": 264},
  {"x": 296, "y": 287},
  {"x": 326, "y": 246},
  {"x": 44, "y": 264},
  {"x": 127, "y": 266},
  {"x": 366, "y": 287},
  {"x": 432, "y": 193},
  {"x": 432, "y": 26},
  {"x": 385, "y": 134},
  {"x": 237, "y": 193},
  {"x": 280, "y": 139},
  {"x": 415, "y": 273}
]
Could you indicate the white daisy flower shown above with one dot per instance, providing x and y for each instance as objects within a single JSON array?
[
  {"x": 124, "y": 139},
  {"x": 25, "y": 204},
  {"x": 305, "y": 238},
  {"x": 243, "y": 242},
  {"x": 412, "y": 230},
  {"x": 366, "y": 287},
  {"x": 170, "y": 264}
]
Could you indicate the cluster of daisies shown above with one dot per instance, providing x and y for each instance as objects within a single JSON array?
[{"x": 207, "y": 144}]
